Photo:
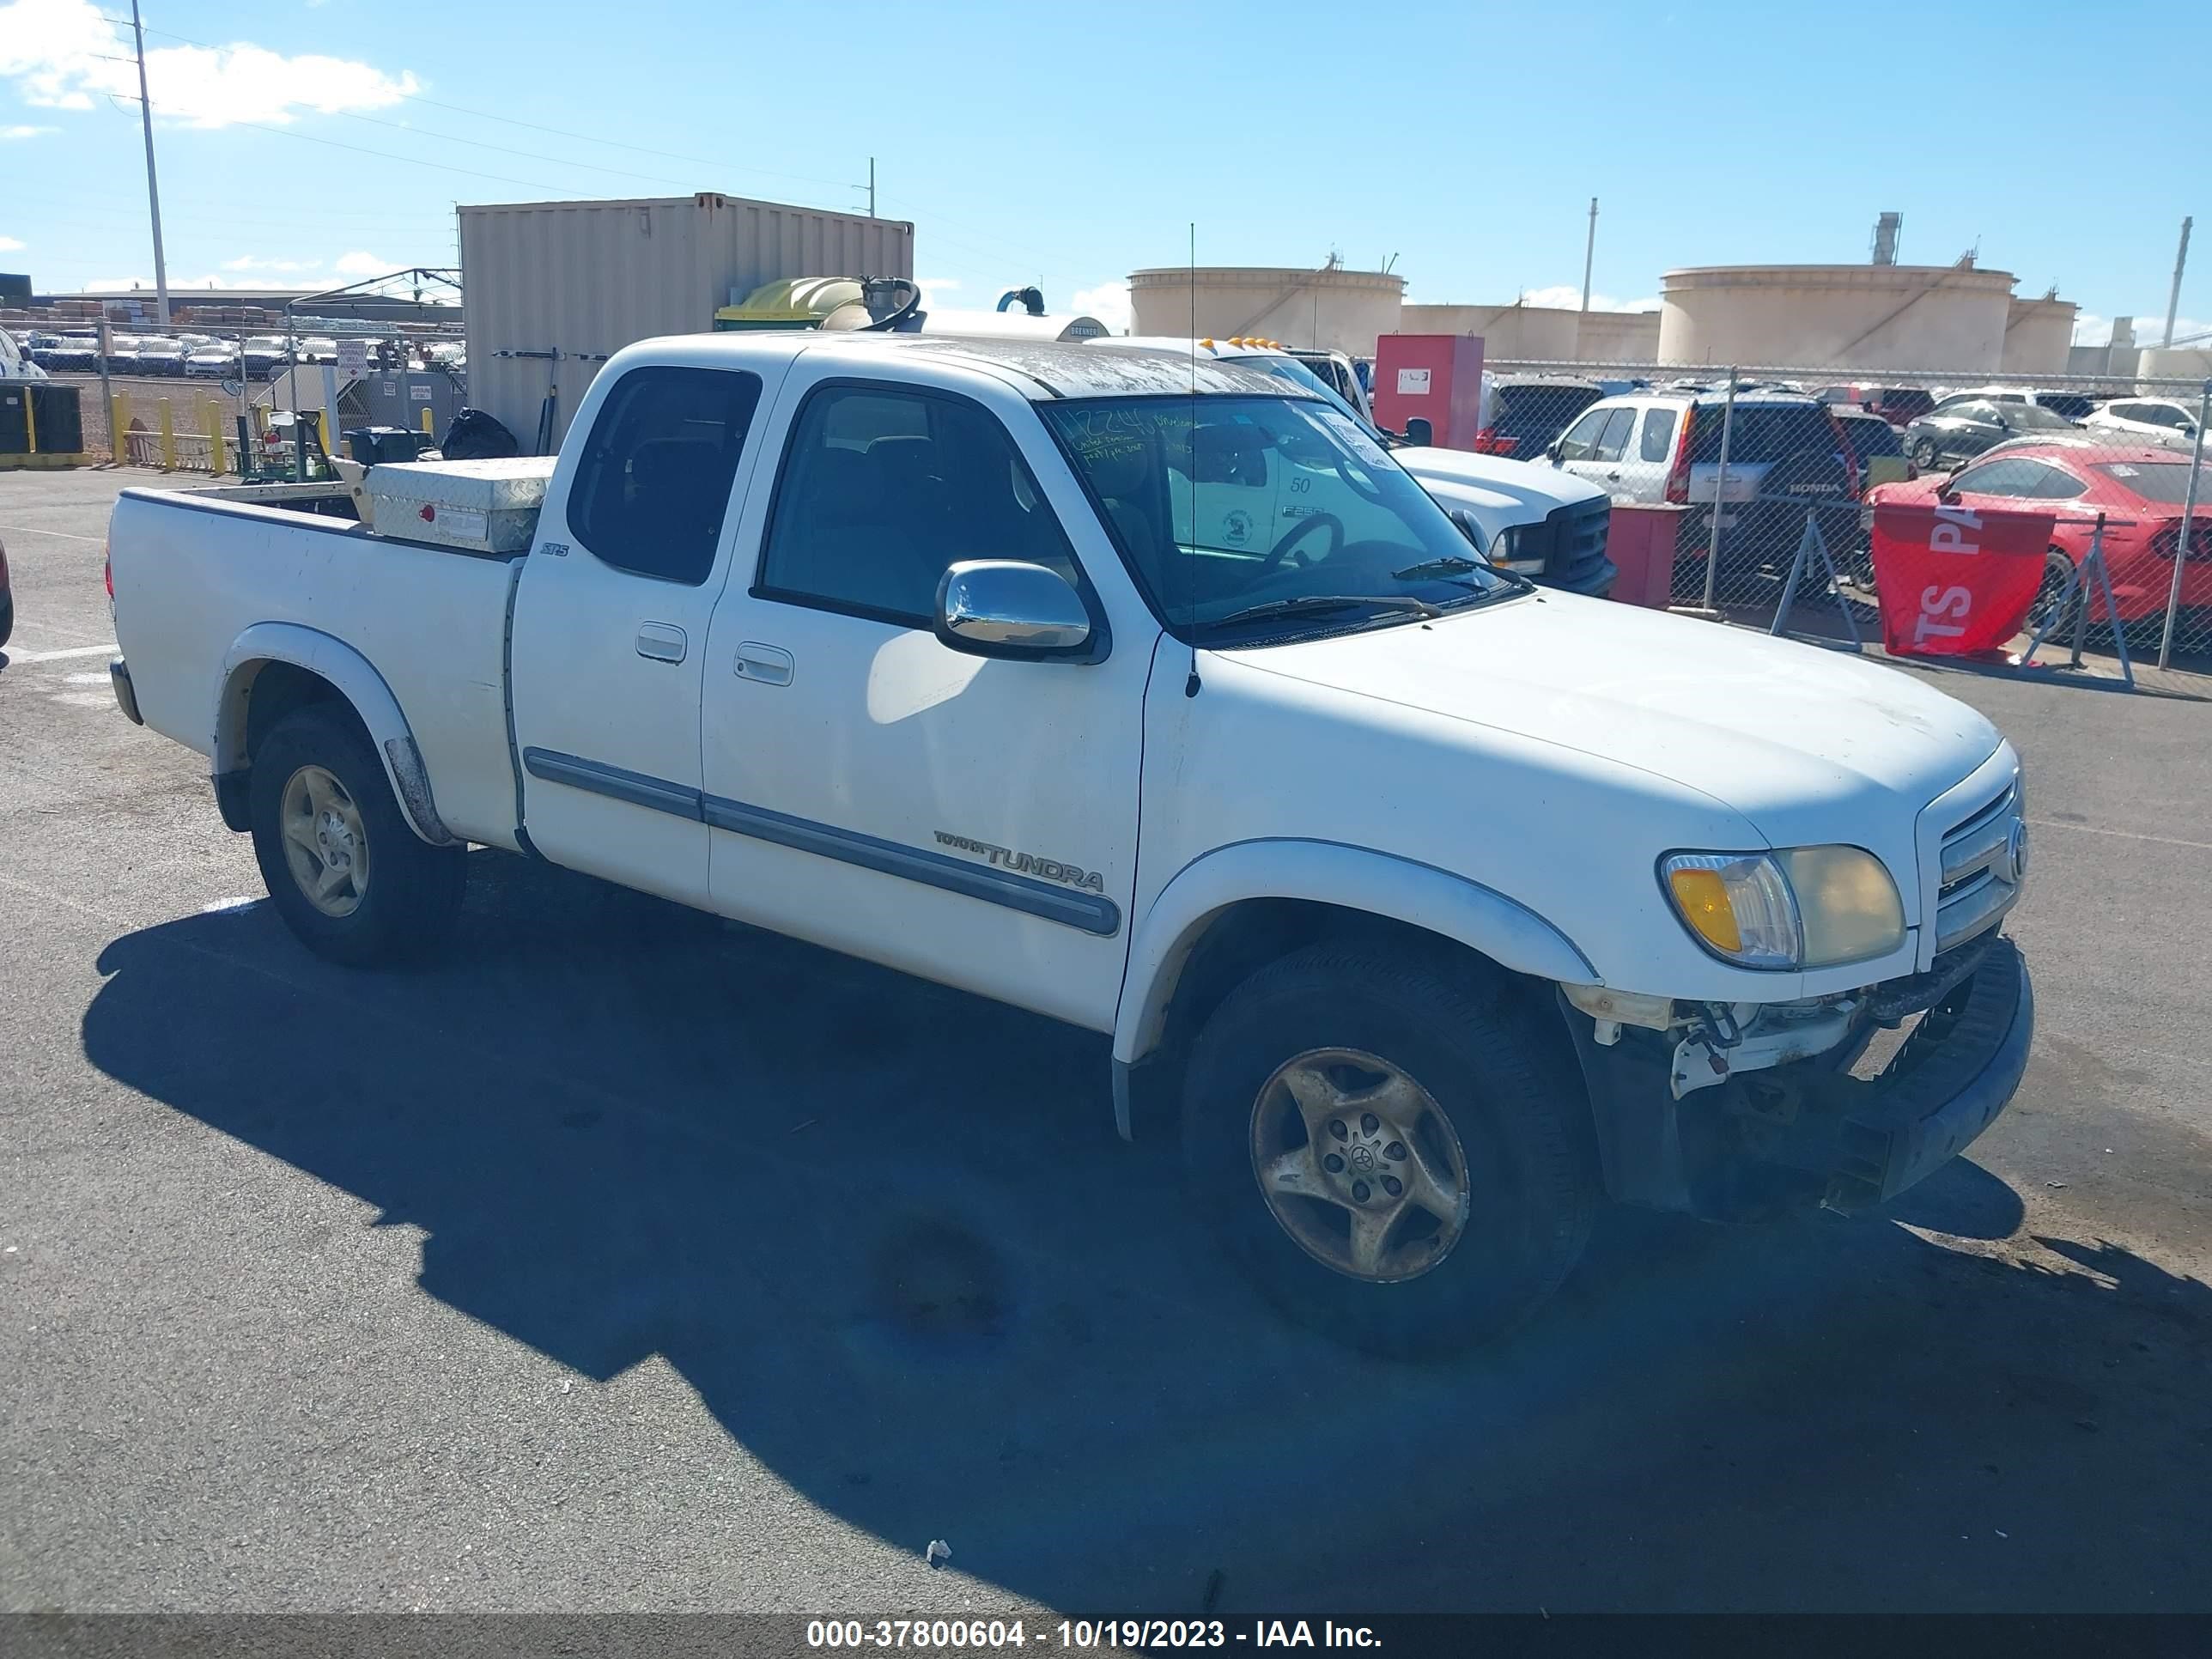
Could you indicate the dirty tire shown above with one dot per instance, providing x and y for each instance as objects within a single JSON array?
[
  {"x": 1514, "y": 1101},
  {"x": 414, "y": 891}
]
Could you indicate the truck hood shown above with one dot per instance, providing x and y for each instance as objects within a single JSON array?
[
  {"x": 1495, "y": 482},
  {"x": 1803, "y": 742}
]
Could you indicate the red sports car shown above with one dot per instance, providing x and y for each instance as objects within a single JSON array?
[{"x": 2139, "y": 488}]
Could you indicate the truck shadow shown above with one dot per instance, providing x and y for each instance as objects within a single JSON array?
[{"x": 886, "y": 1232}]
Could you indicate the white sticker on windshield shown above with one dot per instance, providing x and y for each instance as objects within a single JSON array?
[{"x": 1354, "y": 438}]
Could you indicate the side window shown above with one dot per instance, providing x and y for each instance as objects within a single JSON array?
[
  {"x": 1658, "y": 435},
  {"x": 883, "y": 487},
  {"x": 2003, "y": 477},
  {"x": 1612, "y": 442},
  {"x": 2166, "y": 417},
  {"x": 655, "y": 479},
  {"x": 1581, "y": 437},
  {"x": 2057, "y": 484}
]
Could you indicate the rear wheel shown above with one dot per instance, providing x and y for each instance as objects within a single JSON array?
[
  {"x": 1921, "y": 453},
  {"x": 1391, "y": 1152},
  {"x": 2052, "y": 611},
  {"x": 343, "y": 867}
]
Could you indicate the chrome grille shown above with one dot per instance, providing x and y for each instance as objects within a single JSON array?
[{"x": 1979, "y": 880}]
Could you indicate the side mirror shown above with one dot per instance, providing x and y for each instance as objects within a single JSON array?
[
  {"x": 1947, "y": 492},
  {"x": 1007, "y": 608},
  {"x": 1552, "y": 451},
  {"x": 1419, "y": 433}
]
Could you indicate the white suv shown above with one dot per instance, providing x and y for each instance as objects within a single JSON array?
[{"x": 1786, "y": 455}]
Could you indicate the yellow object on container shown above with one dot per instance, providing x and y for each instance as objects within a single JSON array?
[
  {"x": 119, "y": 428},
  {"x": 169, "y": 438},
  {"x": 30, "y": 421},
  {"x": 428, "y": 430}
]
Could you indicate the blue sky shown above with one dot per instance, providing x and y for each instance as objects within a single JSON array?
[{"x": 1068, "y": 146}]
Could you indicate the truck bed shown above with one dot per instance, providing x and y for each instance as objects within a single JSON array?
[{"x": 194, "y": 569}]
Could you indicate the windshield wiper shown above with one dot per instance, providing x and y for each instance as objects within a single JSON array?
[
  {"x": 1314, "y": 604},
  {"x": 1451, "y": 564}
]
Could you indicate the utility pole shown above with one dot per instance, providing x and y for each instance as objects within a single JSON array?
[
  {"x": 2173, "y": 300},
  {"x": 872, "y": 191},
  {"x": 153, "y": 190},
  {"x": 1590, "y": 253}
]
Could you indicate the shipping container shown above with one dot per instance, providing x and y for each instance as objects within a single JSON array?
[{"x": 554, "y": 288}]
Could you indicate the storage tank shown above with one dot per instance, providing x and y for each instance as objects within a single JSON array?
[
  {"x": 1533, "y": 334},
  {"x": 2038, "y": 334},
  {"x": 1618, "y": 336},
  {"x": 584, "y": 279},
  {"x": 1879, "y": 317},
  {"x": 1332, "y": 307}
]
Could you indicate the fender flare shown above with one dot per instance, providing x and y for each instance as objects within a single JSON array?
[
  {"x": 1355, "y": 878},
  {"x": 330, "y": 659}
]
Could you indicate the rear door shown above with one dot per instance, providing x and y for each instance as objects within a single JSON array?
[{"x": 609, "y": 626}]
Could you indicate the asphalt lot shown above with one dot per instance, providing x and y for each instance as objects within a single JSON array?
[{"x": 623, "y": 1260}]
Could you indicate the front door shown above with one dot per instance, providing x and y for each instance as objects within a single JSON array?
[
  {"x": 867, "y": 788},
  {"x": 610, "y": 628}
]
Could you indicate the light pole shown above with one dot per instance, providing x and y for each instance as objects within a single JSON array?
[{"x": 153, "y": 190}]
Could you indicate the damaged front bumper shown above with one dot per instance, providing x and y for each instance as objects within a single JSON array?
[{"x": 1792, "y": 1133}]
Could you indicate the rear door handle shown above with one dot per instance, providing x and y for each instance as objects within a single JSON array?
[
  {"x": 769, "y": 664},
  {"x": 661, "y": 641}
]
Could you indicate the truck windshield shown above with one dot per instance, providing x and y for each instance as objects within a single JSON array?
[
  {"x": 1221, "y": 504},
  {"x": 1299, "y": 375}
]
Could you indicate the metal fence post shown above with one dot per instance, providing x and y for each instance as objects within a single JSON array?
[
  {"x": 2188, "y": 522},
  {"x": 107, "y": 392},
  {"x": 1720, "y": 487}
]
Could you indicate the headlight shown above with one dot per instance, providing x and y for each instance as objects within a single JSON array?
[
  {"x": 1810, "y": 906},
  {"x": 1514, "y": 550}
]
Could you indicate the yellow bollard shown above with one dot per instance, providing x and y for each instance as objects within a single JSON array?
[
  {"x": 323, "y": 429},
  {"x": 211, "y": 417},
  {"x": 169, "y": 438},
  {"x": 119, "y": 428},
  {"x": 30, "y": 420},
  {"x": 428, "y": 431}
]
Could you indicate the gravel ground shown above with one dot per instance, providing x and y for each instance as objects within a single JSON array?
[{"x": 623, "y": 1259}]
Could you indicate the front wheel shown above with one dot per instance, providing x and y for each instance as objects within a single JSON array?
[
  {"x": 346, "y": 872},
  {"x": 1388, "y": 1148},
  {"x": 1923, "y": 454}
]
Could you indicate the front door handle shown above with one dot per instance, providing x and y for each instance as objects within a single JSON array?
[
  {"x": 661, "y": 641},
  {"x": 770, "y": 665}
]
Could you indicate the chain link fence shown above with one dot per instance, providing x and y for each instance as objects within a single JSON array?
[
  {"x": 1774, "y": 473},
  {"x": 173, "y": 398}
]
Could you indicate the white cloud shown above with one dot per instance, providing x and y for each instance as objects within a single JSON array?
[
  {"x": 358, "y": 264},
  {"x": 9, "y": 245},
  {"x": 1566, "y": 296},
  {"x": 7, "y": 134},
  {"x": 252, "y": 262},
  {"x": 1108, "y": 302},
  {"x": 61, "y": 54}
]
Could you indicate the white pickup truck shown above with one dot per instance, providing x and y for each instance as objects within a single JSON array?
[{"x": 1437, "y": 906}]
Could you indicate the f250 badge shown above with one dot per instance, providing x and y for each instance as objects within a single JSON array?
[{"x": 1026, "y": 864}]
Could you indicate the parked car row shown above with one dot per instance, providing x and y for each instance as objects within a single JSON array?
[{"x": 261, "y": 356}]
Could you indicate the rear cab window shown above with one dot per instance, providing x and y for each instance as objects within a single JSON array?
[
  {"x": 1762, "y": 432},
  {"x": 654, "y": 478}
]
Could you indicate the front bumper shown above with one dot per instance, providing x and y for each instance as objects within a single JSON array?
[{"x": 1809, "y": 1134}]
